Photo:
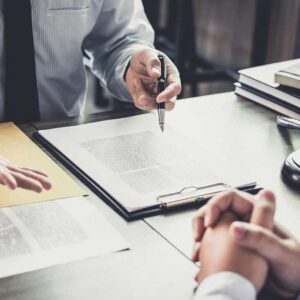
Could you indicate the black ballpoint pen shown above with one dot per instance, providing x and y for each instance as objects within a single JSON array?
[{"x": 161, "y": 85}]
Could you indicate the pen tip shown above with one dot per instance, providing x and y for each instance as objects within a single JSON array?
[{"x": 162, "y": 127}]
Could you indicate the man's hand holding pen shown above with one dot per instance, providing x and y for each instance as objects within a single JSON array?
[{"x": 141, "y": 80}]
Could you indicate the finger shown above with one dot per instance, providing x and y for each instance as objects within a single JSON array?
[
  {"x": 259, "y": 239},
  {"x": 31, "y": 174},
  {"x": 196, "y": 252},
  {"x": 173, "y": 90},
  {"x": 213, "y": 214},
  {"x": 170, "y": 104},
  {"x": 239, "y": 203},
  {"x": 264, "y": 210},
  {"x": 146, "y": 63},
  {"x": 35, "y": 171},
  {"x": 282, "y": 232},
  {"x": 134, "y": 90},
  {"x": 26, "y": 182},
  {"x": 197, "y": 277},
  {"x": 142, "y": 99},
  {"x": 7, "y": 179},
  {"x": 149, "y": 58},
  {"x": 173, "y": 75},
  {"x": 198, "y": 224}
]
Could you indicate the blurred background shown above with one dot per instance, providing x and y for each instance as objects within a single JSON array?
[{"x": 209, "y": 40}]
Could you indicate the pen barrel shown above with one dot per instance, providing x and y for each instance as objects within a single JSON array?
[
  {"x": 161, "y": 105},
  {"x": 161, "y": 85}
]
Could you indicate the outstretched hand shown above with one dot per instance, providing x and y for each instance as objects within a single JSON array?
[{"x": 13, "y": 177}]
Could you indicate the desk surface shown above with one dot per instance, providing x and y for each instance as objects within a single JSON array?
[{"x": 157, "y": 266}]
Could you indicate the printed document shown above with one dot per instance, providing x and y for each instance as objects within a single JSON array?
[
  {"x": 135, "y": 162},
  {"x": 45, "y": 234}
]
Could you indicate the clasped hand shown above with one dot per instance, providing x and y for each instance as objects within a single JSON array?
[{"x": 274, "y": 260}]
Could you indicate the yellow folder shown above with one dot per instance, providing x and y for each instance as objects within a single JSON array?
[{"x": 21, "y": 151}]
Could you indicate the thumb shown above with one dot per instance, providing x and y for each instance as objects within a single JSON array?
[
  {"x": 258, "y": 239},
  {"x": 149, "y": 58},
  {"x": 264, "y": 209},
  {"x": 7, "y": 179}
]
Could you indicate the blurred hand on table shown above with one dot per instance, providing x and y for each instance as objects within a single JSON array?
[{"x": 14, "y": 177}]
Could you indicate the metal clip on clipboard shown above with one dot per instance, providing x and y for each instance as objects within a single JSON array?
[{"x": 191, "y": 194}]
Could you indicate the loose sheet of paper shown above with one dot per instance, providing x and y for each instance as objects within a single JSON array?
[
  {"x": 21, "y": 151},
  {"x": 132, "y": 160},
  {"x": 41, "y": 235}
]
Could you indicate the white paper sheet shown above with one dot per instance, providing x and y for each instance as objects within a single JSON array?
[
  {"x": 134, "y": 161},
  {"x": 41, "y": 235}
]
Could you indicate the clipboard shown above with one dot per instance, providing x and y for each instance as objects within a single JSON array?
[{"x": 186, "y": 198}]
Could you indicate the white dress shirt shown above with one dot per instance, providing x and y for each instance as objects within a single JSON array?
[
  {"x": 225, "y": 286},
  {"x": 107, "y": 31}
]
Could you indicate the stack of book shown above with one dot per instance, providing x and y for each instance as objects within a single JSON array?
[{"x": 275, "y": 86}]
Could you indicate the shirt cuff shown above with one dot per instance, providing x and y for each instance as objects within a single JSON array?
[{"x": 225, "y": 285}]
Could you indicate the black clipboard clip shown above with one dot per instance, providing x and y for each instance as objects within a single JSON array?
[{"x": 192, "y": 194}]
